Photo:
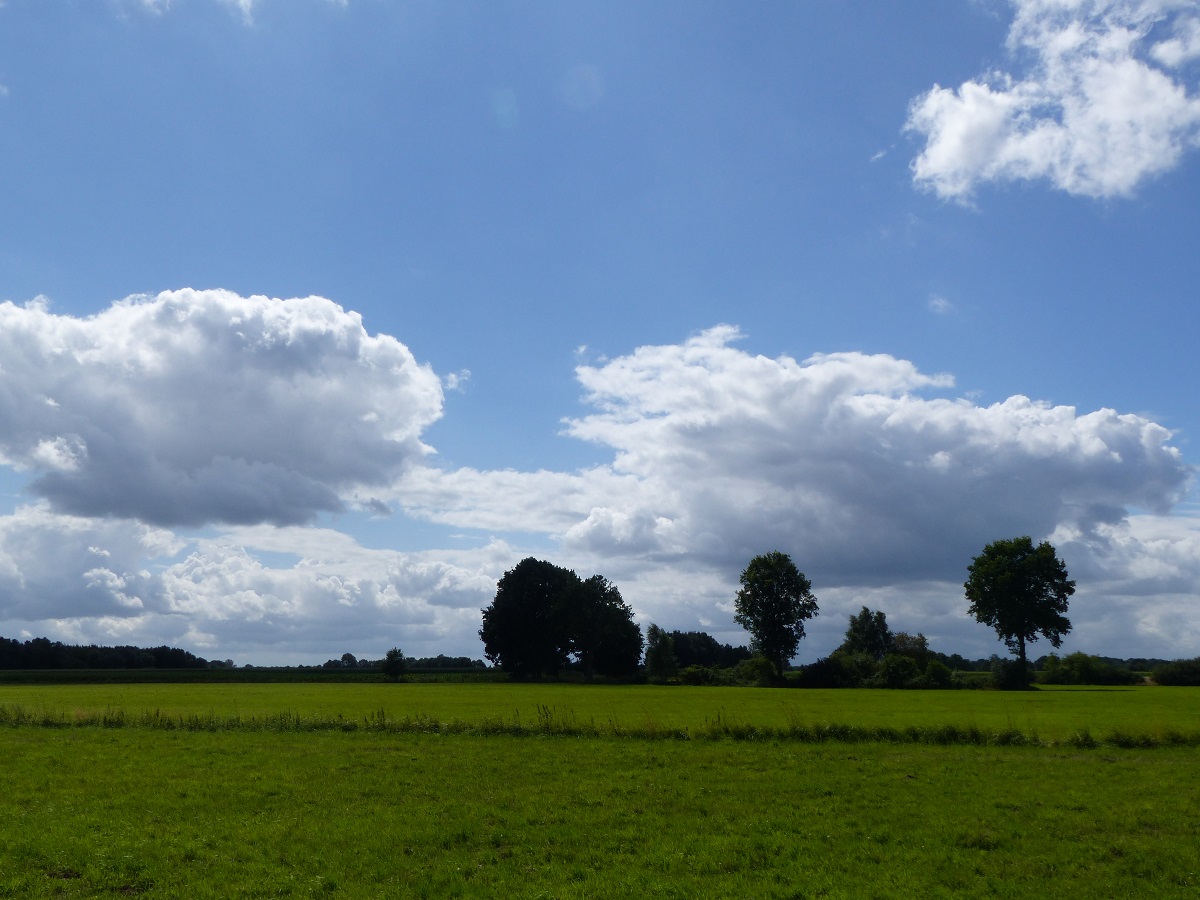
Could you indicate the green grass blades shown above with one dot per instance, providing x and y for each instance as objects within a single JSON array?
[{"x": 138, "y": 812}]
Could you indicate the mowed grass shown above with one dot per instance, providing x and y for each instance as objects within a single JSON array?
[
  {"x": 94, "y": 812},
  {"x": 1050, "y": 715}
]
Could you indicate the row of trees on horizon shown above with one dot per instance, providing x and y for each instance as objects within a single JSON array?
[{"x": 546, "y": 620}]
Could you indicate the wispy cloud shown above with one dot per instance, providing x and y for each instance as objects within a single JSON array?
[
  {"x": 457, "y": 381},
  {"x": 1105, "y": 102},
  {"x": 940, "y": 305}
]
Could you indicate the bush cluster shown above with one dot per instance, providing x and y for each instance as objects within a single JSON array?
[
  {"x": 843, "y": 668},
  {"x": 1082, "y": 668},
  {"x": 1180, "y": 673}
]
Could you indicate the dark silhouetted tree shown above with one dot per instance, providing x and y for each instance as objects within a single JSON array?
[
  {"x": 1022, "y": 592},
  {"x": 394, "y": 664},
  {"x": 698, "y": 648},
  {"x": 868, "y": 633},
  {"x": 914, "y": 646},
  {"x": 544, "y": 615},
  {"x": 773, "y": 605},
  {"x": 523, "y": 630},
  {"x": 602, "y": 634}
]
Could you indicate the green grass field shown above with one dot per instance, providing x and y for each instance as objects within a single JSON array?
[
  {"x": 1052, "y": 715},
  {"x": 92, "y": 811}
]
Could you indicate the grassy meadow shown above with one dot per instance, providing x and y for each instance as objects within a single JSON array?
[{"x": 626, "y": 807}]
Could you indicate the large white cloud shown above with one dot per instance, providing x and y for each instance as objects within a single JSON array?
[
  {"x": 841, "y": 459},
  {"x": 879, "y": 482},
  {"x": 1106, "y": 99},
  {"x": 202, "y": 406}
]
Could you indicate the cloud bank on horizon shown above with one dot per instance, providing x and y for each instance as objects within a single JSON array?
[
  {"x": 1106, "y": 100},
  {"x": 250, "y": 417}
]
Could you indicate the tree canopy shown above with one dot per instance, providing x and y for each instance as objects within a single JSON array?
[
  {"x": 699, "y": 648},
  {"x": 394, "y": 663},
  {"x": 660, "y": 653},
  {"x": 1021, "y": 591},
  {"x": 773, "y": 604},
  {"x": 545, "y": 616},
  {"x": 868, "y": 633}
]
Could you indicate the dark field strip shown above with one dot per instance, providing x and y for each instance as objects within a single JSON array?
[
  {"x": 143, "y": 812},
  {"x": 551, "y": 722}
]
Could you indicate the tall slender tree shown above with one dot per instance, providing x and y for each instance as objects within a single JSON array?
[{"x": 773, "y": 604}]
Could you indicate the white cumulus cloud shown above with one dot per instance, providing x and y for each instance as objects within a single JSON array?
[
  {"x": 192, "y": 407},
  {"x": 856, "y": 463},
  {"x": 1103, "y": 101}
]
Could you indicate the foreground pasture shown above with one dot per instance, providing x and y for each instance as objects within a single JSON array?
[
  {"x": 485, "y": 790},
  {"x": 94, "y": 812}
]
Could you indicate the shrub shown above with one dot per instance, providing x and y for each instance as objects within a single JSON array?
[
  {"x": 1010, "y": 674},
  {"x": 1080, "y": 668},
  {"x": 938, "y": 675},
  {"x": 758, "y": 670},
  {"x": 697, "y": 675},
  {"x": 896, "y": 671}
]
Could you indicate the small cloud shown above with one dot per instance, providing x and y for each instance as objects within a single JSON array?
[
  {"x": 457, "y": 381},
  {"x": 879, "y": 154},
  {"x": 1095, "y": 109},
  {"x": 377, "y": 507},
  {"x": 940, "y": 305},
  {"x": 583, "y": 87},
  {"x": 505, "y": 109}
]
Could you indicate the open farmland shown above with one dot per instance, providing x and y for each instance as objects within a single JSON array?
[{"x": 317, "y": 808}]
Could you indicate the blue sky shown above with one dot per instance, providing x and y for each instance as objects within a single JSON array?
[{"x": 321, "y": 315}]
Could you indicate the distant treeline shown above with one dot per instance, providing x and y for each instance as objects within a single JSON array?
[
  {"x": 695, "y": 648},
  {"x": 42, "y": 653},
  {"x": 423, "y": 663}
]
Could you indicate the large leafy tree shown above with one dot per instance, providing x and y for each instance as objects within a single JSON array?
[
  {"x": 603, "y": 636},
  {"x": 544, "y": 615},
  {"x": 773, "y": 604},
  {"x": 524, "y": 630},
  {"x": 1021, "y": 591}
]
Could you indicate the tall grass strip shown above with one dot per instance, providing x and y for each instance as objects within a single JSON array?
[{"x": 554, "y": 722}]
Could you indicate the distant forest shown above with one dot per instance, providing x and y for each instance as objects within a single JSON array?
[
  {"x": 692, "y": 649},
  {"x": 42, "y": 653}
]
